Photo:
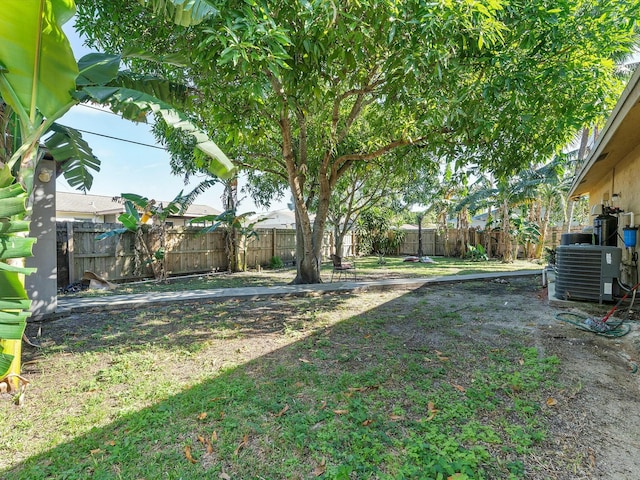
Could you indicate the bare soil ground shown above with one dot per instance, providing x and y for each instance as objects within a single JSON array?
[{"x": 594, "y": 421}]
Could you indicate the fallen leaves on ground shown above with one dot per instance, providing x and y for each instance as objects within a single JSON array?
[
  {"x": 206, "y": 442},
  {"x": 320, "y": 468},
  {"x": 460, "y": 388},
  {"x": 441, "y": 356},
  {"x": 242, "y": 444},
  {"x": 431, "y": 408},
  {"x": 187, "y": 453},
  {"x": 282, "y": 412}
]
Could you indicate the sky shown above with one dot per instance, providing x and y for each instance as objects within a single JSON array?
[{"x": 131, "y": 168}]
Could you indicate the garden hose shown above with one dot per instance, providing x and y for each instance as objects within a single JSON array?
[{"x": 598, "y": 327}]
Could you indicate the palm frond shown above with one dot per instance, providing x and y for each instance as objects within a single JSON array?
[{"x": 188, "y": 199}]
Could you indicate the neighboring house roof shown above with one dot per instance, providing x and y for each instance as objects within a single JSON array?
[
  {"x": 618, "y": 138},
  {"x": 276, "y": 219},
  {"x": 106, "y": 205},
  {"x": 284, "y": 218}
]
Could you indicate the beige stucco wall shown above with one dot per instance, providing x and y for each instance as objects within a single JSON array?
[{"x": 623, "y": 180}]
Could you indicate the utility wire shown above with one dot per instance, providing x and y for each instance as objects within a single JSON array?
[
  {"x": 98, "y": 109},
  {"x": 111, "y": 137},
  {"x": 122, "y": 139}
]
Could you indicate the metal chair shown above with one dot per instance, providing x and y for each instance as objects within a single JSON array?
[{"x": 342, "y": 269}]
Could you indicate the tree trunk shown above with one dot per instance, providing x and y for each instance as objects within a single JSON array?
[
  {"x": 231, "y": 249},
  {"x": 338, "y": 235},
  {"x": 506, "y": 226},
  {"x": 308, "y": 249},
  {"x": 582, "y": 151},
  {"x": 544, "y": 229},
  {"x": 487, "y": 230}
]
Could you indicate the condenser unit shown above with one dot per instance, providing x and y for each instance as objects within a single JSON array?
[{"x": 587, "y": 272}]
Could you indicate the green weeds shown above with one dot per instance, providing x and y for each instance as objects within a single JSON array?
[{"x": 359, "y": 395}]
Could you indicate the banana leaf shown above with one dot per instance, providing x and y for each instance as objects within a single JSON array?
[
  {"x": 67, "y": 145},
  {"x": 112, "y": 233},
  {"x": 98, "y": 69},
  {"x": 29, "y": 79},
  {"x": 182, "y": 12},
  {"x": 14, "y": 304},
  {"x": 12, "y": 325},
  {"x": 134, "y": 105}
]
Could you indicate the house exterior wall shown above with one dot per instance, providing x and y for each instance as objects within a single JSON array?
[
  {"x": 623, "y": 180},
  {"x": 63, "y": 216}
]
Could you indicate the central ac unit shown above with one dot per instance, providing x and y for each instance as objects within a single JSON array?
[{"x": 587, "y": 272}]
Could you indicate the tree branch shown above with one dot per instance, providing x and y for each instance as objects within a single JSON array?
[
  {"x": 343, "y": 163},
  {"x": 249, "y": 166}
]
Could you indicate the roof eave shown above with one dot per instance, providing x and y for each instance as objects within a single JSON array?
[{"x": 627, "y": 101}]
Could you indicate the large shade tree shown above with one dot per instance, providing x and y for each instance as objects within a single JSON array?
[{"x": 301, "y": 91}]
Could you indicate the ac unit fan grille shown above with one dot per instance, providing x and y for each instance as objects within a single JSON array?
[{"x": 582, "y": 272}]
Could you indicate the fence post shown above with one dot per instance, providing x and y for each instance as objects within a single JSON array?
[
  {"x": 273, "y": 243},
  {"x": 70, "y": 254}
]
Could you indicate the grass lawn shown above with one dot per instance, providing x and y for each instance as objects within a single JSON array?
[
  {"x": 443, "y": 382},
  {"x": 367, "y": 268}
]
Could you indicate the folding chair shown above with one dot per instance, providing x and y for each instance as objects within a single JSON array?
[{"x": 342, "y": 269}]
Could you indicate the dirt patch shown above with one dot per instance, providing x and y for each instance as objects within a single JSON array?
[{"x": 594, "y": 428}]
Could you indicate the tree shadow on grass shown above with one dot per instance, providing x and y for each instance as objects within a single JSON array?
[
  {"x": 170, "y": 325},
  {"x": 387, "y": 393}
]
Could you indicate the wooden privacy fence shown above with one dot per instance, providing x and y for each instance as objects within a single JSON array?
[
  {"x": 438, "y": 243},
  {"x": 189, "y": 252}
]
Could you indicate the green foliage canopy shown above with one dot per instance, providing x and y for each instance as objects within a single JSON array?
[{"x": 302, "y": 91}]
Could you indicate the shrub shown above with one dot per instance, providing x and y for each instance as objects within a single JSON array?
[
  {"x": 377, "y": 232},
  {"x": 276, "y": 262},
  {"x": 476, "y": 253}
]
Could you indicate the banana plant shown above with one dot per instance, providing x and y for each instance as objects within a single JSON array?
[
  {"x": 141, "y": 211},
  {"x": 40, "y": 81},
  {"x": 14, "y": 302},
  {"x": 232, "y": 223}
]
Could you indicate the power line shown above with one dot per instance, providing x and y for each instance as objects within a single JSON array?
[
  {"x": 98, "y": 109},
  {"x": 122, "y": 139},
  {"x": 111, "y": 137}
]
